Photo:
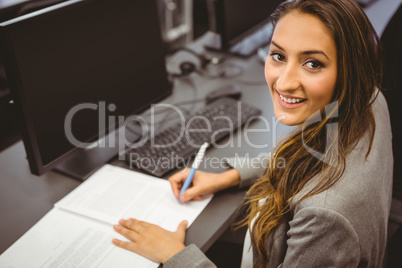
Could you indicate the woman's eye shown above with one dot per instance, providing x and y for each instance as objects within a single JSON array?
[
  {"x": 314, "y": 65},
  {"x": 277, "y": 57}
]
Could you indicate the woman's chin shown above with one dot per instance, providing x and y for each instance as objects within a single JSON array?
[
  {"x": 287, "y": 120},
  {"x": 289, "y": 124}
]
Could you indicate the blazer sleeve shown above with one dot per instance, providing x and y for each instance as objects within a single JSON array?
[
  {"x": 320, "y": 237},
  {"x": 190, "y": 256},
  {"x": 249, "y": 169}
]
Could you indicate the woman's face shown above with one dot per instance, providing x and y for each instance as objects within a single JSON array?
[{"x": 301, "y": 68}]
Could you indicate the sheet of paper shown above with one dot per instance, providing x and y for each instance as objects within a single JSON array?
[
  {"x": 113, "y": 193},
  {"x": 63, "y": 239}
]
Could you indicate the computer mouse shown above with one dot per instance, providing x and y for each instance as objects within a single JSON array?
[{"x": 230, "y": 91}]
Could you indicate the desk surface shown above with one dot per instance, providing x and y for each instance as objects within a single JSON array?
[{"x": 25, "y": 198}]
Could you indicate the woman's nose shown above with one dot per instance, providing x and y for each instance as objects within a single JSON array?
[{"x": 288, "y": 79}]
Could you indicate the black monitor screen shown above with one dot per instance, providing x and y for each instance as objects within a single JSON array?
[
  {"x": 238, "y": 18},
  {"x": 241, "y": 15},
  {"x": 81, "y": 52}
]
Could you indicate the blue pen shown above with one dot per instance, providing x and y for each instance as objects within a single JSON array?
[{"x": 197, "y": 161}]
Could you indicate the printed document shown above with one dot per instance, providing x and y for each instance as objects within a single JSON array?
[{"x": 78, "y": 231}]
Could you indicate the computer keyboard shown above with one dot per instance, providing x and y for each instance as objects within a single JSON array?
[{"x": 175, "y": 145}]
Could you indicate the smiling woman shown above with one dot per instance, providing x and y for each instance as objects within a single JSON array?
[
  {"x": 325, "y": 55},
  {"x": 329, "y": 205}
]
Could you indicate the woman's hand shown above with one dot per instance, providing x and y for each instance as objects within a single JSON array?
[
  {"x": 203, "y": 183},
  {"x": 150, "y": 240}
]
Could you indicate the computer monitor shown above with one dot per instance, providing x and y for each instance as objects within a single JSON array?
[
  {"x": 96, "y": 53},
  {"x": 235, "y": 20}
]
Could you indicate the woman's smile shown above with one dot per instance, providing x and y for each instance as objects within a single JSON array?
[{"x": 290, "y": 102}]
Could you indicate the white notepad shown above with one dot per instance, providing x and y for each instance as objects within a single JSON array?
[{"x": 78, "y": 231}]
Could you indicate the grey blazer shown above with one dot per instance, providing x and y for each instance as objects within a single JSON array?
[{"x": 344, "y": 226}]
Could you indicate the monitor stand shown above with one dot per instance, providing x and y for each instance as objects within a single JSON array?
[{"x": 86, "y": 161}]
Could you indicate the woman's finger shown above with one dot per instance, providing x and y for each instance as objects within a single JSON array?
[
  {"x": 125, "y": 245},
  {"x": 192, "y": 193},
  {"x": 175, "y": 187},
  {"x": 131, "y": 235},
  {"x": 176, "y": 181},
  {"x": 132, "y": 224}
]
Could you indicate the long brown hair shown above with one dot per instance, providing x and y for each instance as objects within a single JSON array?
[{"x": 359, "y": 73}]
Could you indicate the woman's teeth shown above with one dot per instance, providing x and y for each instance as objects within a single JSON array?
[{"x": 291, "y": 100}]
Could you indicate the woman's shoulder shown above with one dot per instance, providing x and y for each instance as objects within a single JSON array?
[
  {"x": 363, "y": 193},
  {"x": 381, "y": 112},
  {"x": 366, "y": 182}
]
